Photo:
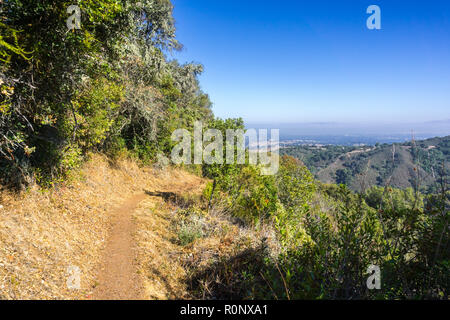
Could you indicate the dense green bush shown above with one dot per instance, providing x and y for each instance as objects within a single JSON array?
[
  {"x": 107, "y": 85},
  {"x": 330, "y": 235}
]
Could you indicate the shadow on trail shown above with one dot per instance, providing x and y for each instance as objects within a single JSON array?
[
  {"x": 182, "y": 201},
  {"x": 167, "y": 196}
]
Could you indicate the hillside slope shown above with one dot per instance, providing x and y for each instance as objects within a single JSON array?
[
  {"x": 131, "y": 231},
  {"x": 405, "y": 164}
]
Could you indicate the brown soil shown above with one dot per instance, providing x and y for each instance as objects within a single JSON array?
[
  {"x": 122, "y": 274},
  {"x": 118, "y": 277}
]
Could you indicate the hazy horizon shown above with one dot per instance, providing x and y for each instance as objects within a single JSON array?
[
  {"x": 354, "y": 133},
  {"x": 437, "y": 126}
]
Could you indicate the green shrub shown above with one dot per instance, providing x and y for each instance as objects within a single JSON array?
[{"x": 190, "y": 230}]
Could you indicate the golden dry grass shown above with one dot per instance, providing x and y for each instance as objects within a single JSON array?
[
  {"x": 166, "y": 265},
  {"x": 42, "y": 233}
]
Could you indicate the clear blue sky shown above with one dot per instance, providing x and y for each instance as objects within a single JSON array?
[{"x": 316, "y": 61}]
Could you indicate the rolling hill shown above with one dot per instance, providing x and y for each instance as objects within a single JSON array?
[{"x": 404, "y": 164}]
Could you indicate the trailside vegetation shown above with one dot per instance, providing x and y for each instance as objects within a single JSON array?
[{"x": 110, "y": 87}]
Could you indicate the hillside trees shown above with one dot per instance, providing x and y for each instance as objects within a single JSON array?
[{"x": 106, "y": 86}]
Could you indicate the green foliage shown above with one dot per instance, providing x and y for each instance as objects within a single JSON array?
[
  {"x": 109, "y": 87},
  {"x": 330, "y": 235},
  {"x": 343, "y": 176},
  {"x": 295, "y": 189},
  {"x": 189, "y": 232},
  {"x": 393, "y": 198},
  {"x": 316, "y": 158},
  {"x": 224, "y": 171},
  {"x": 248, "y": 194},
  {"x": 412, "y": 164},
  {"x": 93, "y": 108}
]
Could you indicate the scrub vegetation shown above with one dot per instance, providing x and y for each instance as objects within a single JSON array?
[{"x": 86, "y": 118}]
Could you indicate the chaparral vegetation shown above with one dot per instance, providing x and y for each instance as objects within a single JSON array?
[{"x": 110, "y": 88}]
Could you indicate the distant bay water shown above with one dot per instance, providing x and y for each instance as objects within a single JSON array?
[{"x": 354, "y": 133}]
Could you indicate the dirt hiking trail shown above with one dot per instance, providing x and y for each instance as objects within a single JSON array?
[
  {"x": 118, "y": 223},
  {"x": 138, "y": 226},
  {"x": 135, "y": 233},
  {"x": 118, "y": 277}
]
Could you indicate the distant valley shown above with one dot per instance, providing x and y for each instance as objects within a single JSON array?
[{"x": 408, "y": 164}]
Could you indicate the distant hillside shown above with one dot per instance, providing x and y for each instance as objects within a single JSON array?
[{"x": 411, "y": 163}]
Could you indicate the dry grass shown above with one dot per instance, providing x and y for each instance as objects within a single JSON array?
[
  {"x": 168, "y": 265},
  {"x": 159, "y": 254},
  {"x": 42, "y": 232}
]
